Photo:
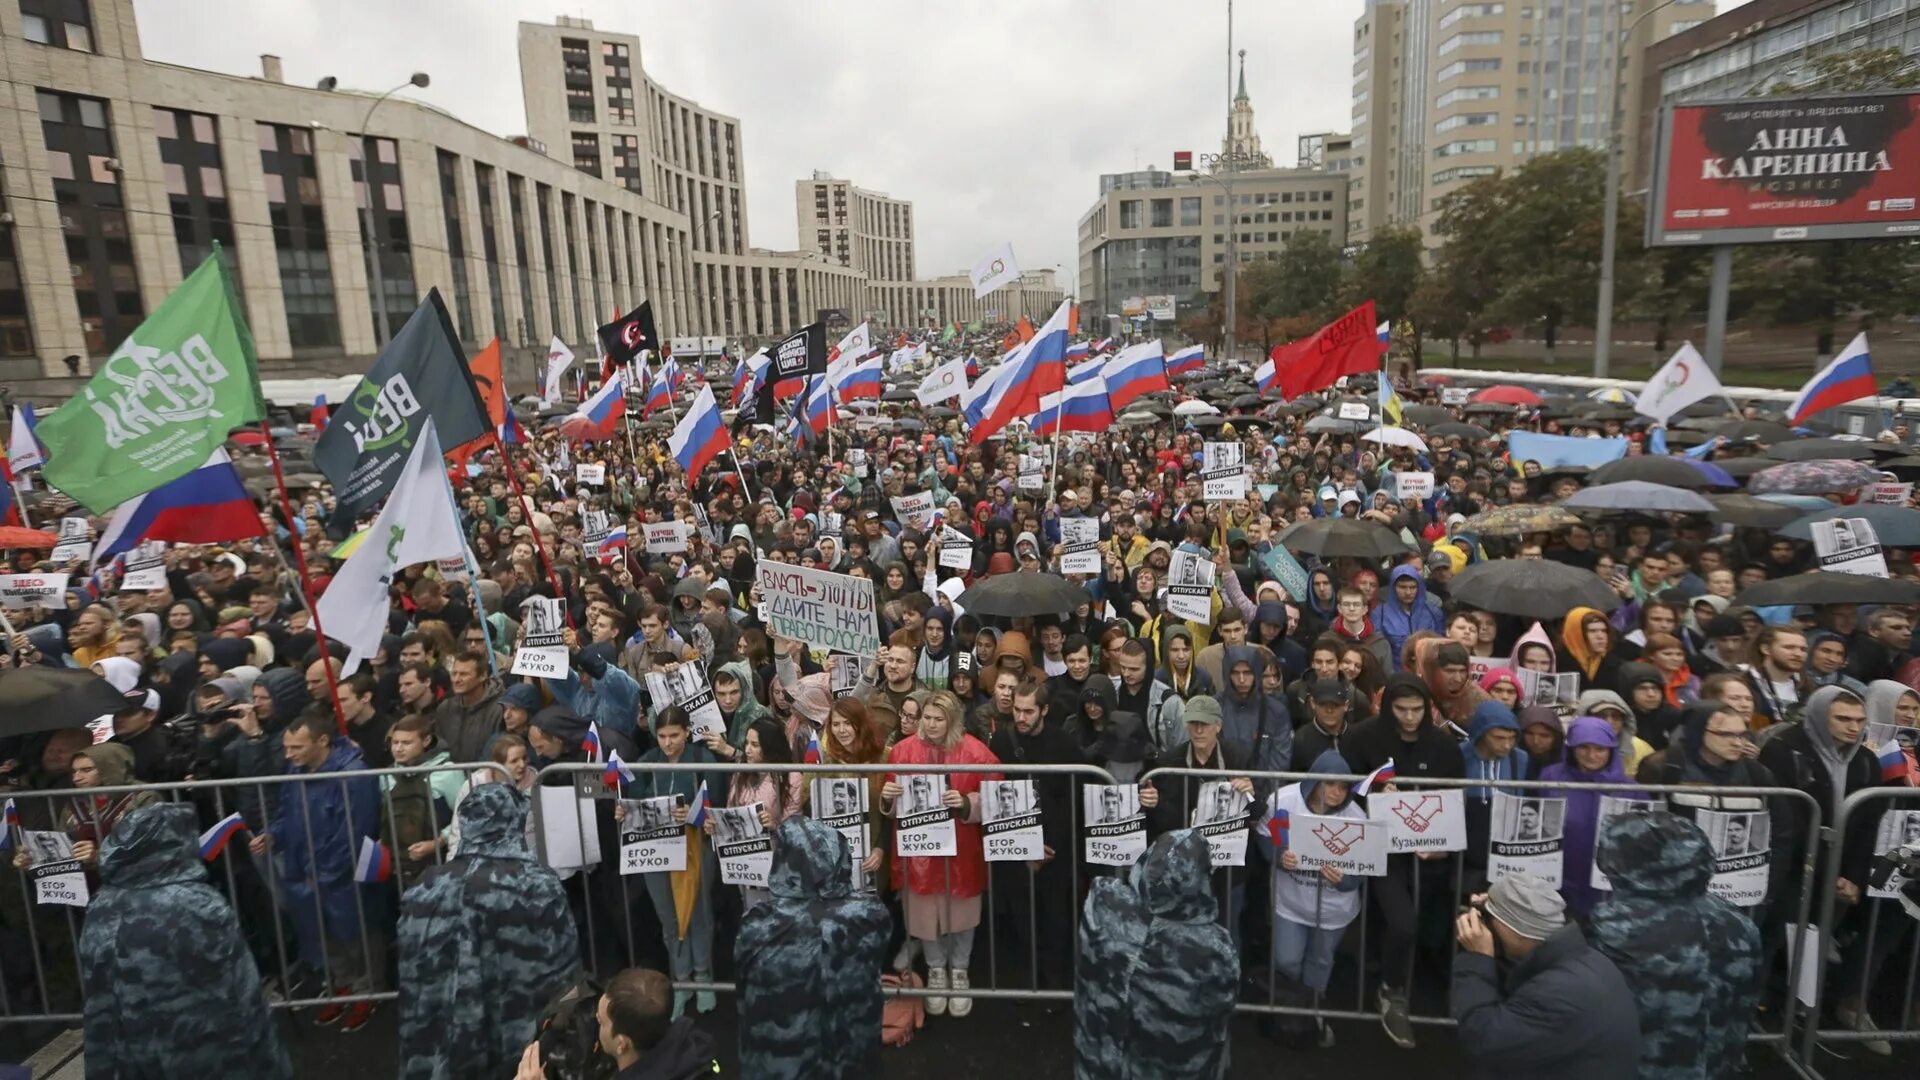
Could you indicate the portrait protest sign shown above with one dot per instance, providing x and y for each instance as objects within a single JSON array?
[
  {"x": 1080, "y": 545},
  {"x": 650, "y": 840},
  {"x": 843, "y": 673},
  {"x": 1011, "y": 816},
  {"x": 1898, "y": 828},
  {"x": 686, "y": 686},
  {"x": 1116, "y": 826},
  {"x": 1190, "y": 587},
  {"x": 743, "y": 845},
  {"x": 146, "y": 568},
  {"x": 825, "y": 610},
  {"x": 595, "y": 526},
  {"x": 1221, "y": 814},
  {"x": 956, "y": 549},
  {"x": 1848, "y": 546},
  {"x": 1742, "y": 843},
  {"x": 1552, "y": 689},
  {"x": 840, "y": 803},
  {"x": 1032, "y": 475},
  {"x": 73, "y": 543},
  {"x": 666, "y": 537},
  {"x": 1430, "y": 820},
  {"x": 1525, "y": 837},
  {"x": 1349, "y": 845},
  {"x": 62, "y": 883},
  {"x": 543, "y": 641},
  {"x": 925, "y": 820}
]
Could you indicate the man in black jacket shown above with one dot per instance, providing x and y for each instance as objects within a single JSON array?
[{"x": 1041, "y": 895}]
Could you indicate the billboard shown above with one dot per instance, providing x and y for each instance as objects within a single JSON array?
[
  {"x": 1761, "y": 170},
  {"x": 1161, "y": 307}
]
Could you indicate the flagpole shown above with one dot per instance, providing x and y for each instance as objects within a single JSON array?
[
  {"x": 300, "y": 562},
  {"x": 473, "y": 565}
]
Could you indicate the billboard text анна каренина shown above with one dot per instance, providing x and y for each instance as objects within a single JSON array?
[{"x": 1772, "y": 169}]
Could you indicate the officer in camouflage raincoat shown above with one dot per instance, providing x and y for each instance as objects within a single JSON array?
[
  {"x": 486, "y": 940},
  {"x": 1157, "y": 972},
  {"x": 809, "y": 960},
  {"x": 1693, "y": 960},
  {"x": 171, "y": 989}
]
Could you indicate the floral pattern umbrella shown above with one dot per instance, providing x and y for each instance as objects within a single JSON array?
[
  {"x": 1813, "y": 478},
  {"x": 1519, "y": 520}
]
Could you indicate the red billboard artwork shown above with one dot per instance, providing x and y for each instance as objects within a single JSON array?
[{"x": 1774, "y": 169}]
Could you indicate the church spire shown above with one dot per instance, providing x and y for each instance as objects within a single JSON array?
[{"x": 1242, "y": 95}]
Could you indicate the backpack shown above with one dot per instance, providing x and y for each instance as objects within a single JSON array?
[
  {"x": 570, "y": 1033},
  {"x": 902, "y": 1015}
]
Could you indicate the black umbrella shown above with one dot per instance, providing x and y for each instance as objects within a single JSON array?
[
  {"x": 908, "y": 423},
  {"x": 1897, "y": 526},
  {"x": 1764, "y": 431},
  {"x": 1456, "y": 429},
  {"x": 40, "y": 698},
  {"x": 941, "y": 412},
  {"x": 1021, "y": 595},
  {"x": 898, "y": 393},
  {"x": 1207, "y": 422},
  {"x": 1328, "y": 537},
  {"x": 1742, "y": 467},
  {"x": 1488, "y": 408},
  {"x": 1428, "y": 414},
  {"x": 1532, "y": 588},
  {"x": 1903, "y": 467},
  {"x": 1245, "y": 401},
  {"x": 1825, "y": 587},
  {"x": 1739, "y": 508},
  {"x": 1823, "y": 450},
  {"x": 1653, "y": 470}
]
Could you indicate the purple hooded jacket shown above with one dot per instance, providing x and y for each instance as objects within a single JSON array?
[{"x": 1583, "y": 808}]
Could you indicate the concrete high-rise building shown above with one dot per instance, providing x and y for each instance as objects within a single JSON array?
[
  {"x": 870, "y": 231},
  {"x": 1445, "y": 92}
]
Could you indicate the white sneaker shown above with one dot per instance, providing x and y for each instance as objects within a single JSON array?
[
  {"x": 1859, "y": 1020},
  {"x": 936, "y": 980},
  {"x": 960, "y": 1006}
]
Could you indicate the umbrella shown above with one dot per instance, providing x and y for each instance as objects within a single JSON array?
[
  {"x": 1195, "y": 407},
  {"x": 1613, "y": 395},
  {"x": 1740, "y": 508},
  {"x": 1652, "y": 470},
  {"x": 1813, "y": 478},
  {"x": 1604, "y": 411},
  {"x": 908, "y": 423},
  {"x": 1519, "y": 520},
  {"x": 940, "y": 412},
  {"x": 1531, "y": 588},
  {"x": 40, "y": 698},
  {"x": 1394, "y": 436},
  {"x": 1140, "y": 418},
  {"x": 1427, "y": 414},
  {"x": 1457, "y": 430},
  {"x": 1746, "y": 430},
  {"x": 13, "y": 536},
  {"x": 1207, "y": 422},
  {"x": 1333, "y": 423},
  {"x": 1246, "y": 401},
  {"x": 1328, "y": 537},
  {"x": 898, "y": 394},
  {"x": 1638, "y": 495},
  {"x": 1741, "y": 468},
  {"x": 1896, "y": 526},
  {"x": 1900, "y": 465},
  {"x": 1157, "y": 408},
  {"x": 1822, "y": 587},
  {"x": 1506, "y": 395},
  {"x": 1488, "y": 408},
  {"x": 1682, "y": 438},
  {"x": 1715, "y": 475},
  {"x": 1821, "y": 450},
  {"x": 1021, "y": 595}
]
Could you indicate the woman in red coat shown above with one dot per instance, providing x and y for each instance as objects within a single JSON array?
[{"x": 941, "y": 893}]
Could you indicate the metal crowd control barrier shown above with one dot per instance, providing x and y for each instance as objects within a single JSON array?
[
  {"x": 1265, "y": 782},
  {"x": 996, "y": 986},
  {"x": 255, "y": 885},
  {"x": 1877, "y": 928}
]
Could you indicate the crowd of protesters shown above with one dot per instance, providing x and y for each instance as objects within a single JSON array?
[{"x": 1370, "y": 661}]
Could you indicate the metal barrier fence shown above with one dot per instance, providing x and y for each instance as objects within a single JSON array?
[
  {"x": 282, "y": 909},
  {"x": 1864, "y": 950}
]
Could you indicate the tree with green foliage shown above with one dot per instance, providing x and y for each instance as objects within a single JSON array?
[
  {"x": 1389, "y": 270},
  {"x": 1549, "y": 232},
  {"x": 1455, "y": 300},
  {"x": 1303, "y": 282}
]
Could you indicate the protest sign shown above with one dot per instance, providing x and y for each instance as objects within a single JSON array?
[
  {"x": 1080, "y": 545},
  {"x": 1349, "y": 845},
  {"x": 1012, "y": 821},
  {"x": 925, "y": 821},
  {"x": 821, "y": 609},
  {"x": 744, "y": 847},
  {"x": 590, "y": 474},
  {"x": 843, "y": 673},
  {"x": 60, "y": 883},
  {"x": 1890, "y": 493},
  {"x": 595, "y": 526},
  {"x": 146, "y": 568},
  {"x": 857, "y": 460},
  {"x": 956, "y": 549},
  {"x": 1897, "y": 829},
  {"x": 1554, "y": 690},
  {"x": 665, "y": 537},
  {"x": 840, "y": 803},
  {"x": 1220, "y": 814},
  {"x": 1848, "y": 546},
  {"x": 1288, "y": 572},
  {"x": 1742, "y": 843},
  {"x": 1116, "y": 826},
  {"x": 1611, "y": 805},
  {"x": 453, "y": 568},
  {"x": 1354, "y": 410},
  {"x": 1525, "y": 837},
  {"x": 1411, "y": 485},
  {"x": 1032, "y": 473},
  {"x": 543, "y": 649},
  {"x": 686, "y": 686},
  {"x": 18, "y": 592},
  {"x": 650, "y": 840},
  {"x": 1455, "y": 395},
  {"x": 914, "y": 510},
  {"x": 73, "y": 542},
  {"x": 1224, "y": 455},
  {"x": 1190, "y": 588},
  {"x": 1431, "y": 820},
  {"x": 1224, "y": 484}
]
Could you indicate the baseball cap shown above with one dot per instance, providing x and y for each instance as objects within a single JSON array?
[{"x": 1329, "y": 690}]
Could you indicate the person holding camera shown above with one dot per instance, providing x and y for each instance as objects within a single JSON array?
[{"x": 637, "y": 1029}]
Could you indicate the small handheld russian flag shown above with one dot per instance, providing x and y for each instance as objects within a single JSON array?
[
  {"x": 1382, "y": 775},
  {"x": 215, "y": 840},
  {"x": 13, "y": 825},
  {"x": 697, "y": 817},
  {"x": 375, "y": 864},
  {"x": 590, "y": 742},
  {"x": 616, "y": 772},
  {"x": 1893, "y": 765},
  {"x": 811, "y": 756},
  {"x": 1277, "y": 824}
]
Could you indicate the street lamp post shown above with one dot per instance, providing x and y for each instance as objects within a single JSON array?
[
  {"x": 1610, "y": 222},
  {"x": 375, "y": 273}
]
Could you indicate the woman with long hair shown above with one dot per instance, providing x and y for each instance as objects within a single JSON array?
[
  {"x": 857, "y": 734},
  {"x": 941, "y": 893},
  {"x": 1359, "y": 667},
  {"x": 775, "y": 792}
]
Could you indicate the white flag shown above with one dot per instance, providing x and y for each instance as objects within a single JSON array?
[
  {"x": 997, "y": 269},
  {"x": 22, "y": 449},
  {"x": 559, "y": 359},
  {"x": 856, "y": 345},
  {"x": 416, "y": 526},
  {"x": 1684, "y": 380},
  {"x": 948, "y": 380}
]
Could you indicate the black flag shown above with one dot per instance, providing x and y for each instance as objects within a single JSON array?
[
  {"x": 789, "y": 363},
  {"x": 626, "y": 338}
]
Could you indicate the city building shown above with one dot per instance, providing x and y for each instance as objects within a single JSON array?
[
  {"x": 1751, "y": 48},
  {"x": 1445, "y": 93},
  {"x": 870, "y": 231},
  {"x": 1328, "y": 151},
  {"x": 1153, "y": 233}
]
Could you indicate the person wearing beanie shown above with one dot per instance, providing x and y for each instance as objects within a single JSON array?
[{"x": 1565, "y": 1013}]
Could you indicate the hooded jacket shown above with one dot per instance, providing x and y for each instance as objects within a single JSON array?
[
  {"x": 1541, "y": 716},
  {"x": 1157, "y": 975},
  {"x": 1692, "y": 959},
  {"x": 1491, "y": 716},
  {"x": 1302, "y": 896},
  {"x": 1197, "y": 679},
  {"x": 1098, "y": 691},
  {"x": 1395, "y": 622},
  {"x": 750, "y": 708},
  {"x": 1457, "y": 709},
  {"x": 1432, "y": 752},
  {"x": 1535, "y": 635},
  {"x": 485, "y": 941},
  {"x": 1654, "y": 725},
  {"x": 171, "y": 991},
  {"x": 1583, "y": 807},
  {"x": 316, "y": 828},
  {"x": 1596, "y": 669},
  {"x": 1258, "y": 722},
  {"x": 1806, "y": 757},
  {"x": 1566, "y": 1014},
  {"x": 464, "y": 729},
  {"x": 809, "y": 1002}
]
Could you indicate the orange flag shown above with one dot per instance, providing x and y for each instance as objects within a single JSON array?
[
  {"x": 1024, "y": 328},
  {"x": 491, "y": 385},
  {"x": 1073, "y": 322}
]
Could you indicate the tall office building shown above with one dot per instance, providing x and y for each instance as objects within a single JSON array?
[{"x": 1446, "y": 92}]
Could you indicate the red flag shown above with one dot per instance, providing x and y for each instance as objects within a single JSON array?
[
  {"x": 488, "y": 380},
  {"x": 1073, "y": 322},
  {"x": 1346, "y": 346},
  {"x": 1024, "y": 328}
]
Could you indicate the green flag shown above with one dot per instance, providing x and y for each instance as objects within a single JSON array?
[
  {"x": 973, "y": 327},
  {"x": 163, "y": 402},
  {"x": 947, "y": 334}
]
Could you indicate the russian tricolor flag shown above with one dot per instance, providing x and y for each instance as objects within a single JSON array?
[
  {"x": 659, "y": 394},
  {"x": 1079, "y": 350},
  {"x": 615, "y": 539},
  {"x": 23, "y": 446},
  {"x": 817, "y": 413},
  {"x": 1266, "y": 375},
  {"x": 375, "y": 863},
  {"x": 812, "y": 754},
  {"x": 1848, "y": 378},
  {"x": 599, "y": 416},
  {"x": 616, "y": 772},
  {"x": 1137, "y": 371},
  {"x": 697, "y": 813},
  {"x": 973, "y": 399},
  {"x": 973, "y": 366},
  {"x": 699, "y": 437},
  {"x": 1191, "y": 358},
  {"x": 1382, "y": 775},
  {"x": 1278, "y": 822},
  {"x": 1384, "y": 332},
  {"x": 1080, "y": 373},
  {"x": 1893, "y": 762},
  {"x": 863, "y": 380},
  {"x": 1081, "y": 407},
  {"x": 13, "y": 825},
  {"x": 207, "y": 506},
  {"x": 510, "y": 429},
  {"x": 1032, "y": 371},
  {"x": 214, "y": 840},
  {"x": 590, "y": 742}
]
